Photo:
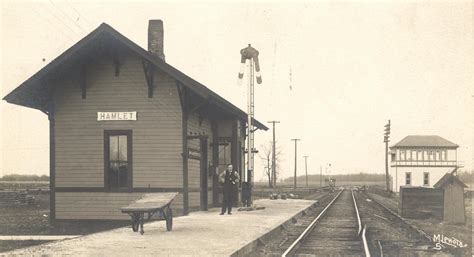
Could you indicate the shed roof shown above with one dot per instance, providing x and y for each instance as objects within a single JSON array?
[
  {"x": 449, "y": 178},
  {"x": 27, "y": 94},
  {"x": 424, "y": 141}
]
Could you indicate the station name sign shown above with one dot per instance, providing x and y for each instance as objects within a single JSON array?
[{"x": 103, "y": 116}]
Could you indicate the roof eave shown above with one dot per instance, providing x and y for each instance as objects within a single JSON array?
[
  {"x": 187, "y": 81},
  {"x": 417, "y": 146},
  {"x": 172, "y": 70}
]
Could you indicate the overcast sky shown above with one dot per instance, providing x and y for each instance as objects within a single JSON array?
[{"x": 354, "y": 66}]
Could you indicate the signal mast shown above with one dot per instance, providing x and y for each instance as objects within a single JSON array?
[
  {"x": 386, "y": 139},
  {"x": 251, "y": 54}
]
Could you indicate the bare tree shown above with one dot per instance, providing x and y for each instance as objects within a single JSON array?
[{"x": 266, "y": 155}]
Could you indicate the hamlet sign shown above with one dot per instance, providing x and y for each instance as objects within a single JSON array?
[{"x": 103, "y": 116}]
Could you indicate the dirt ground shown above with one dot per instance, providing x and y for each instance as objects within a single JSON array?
[
  {"x": 462, "y": 232},
  {"x": 34, "y": 220}
]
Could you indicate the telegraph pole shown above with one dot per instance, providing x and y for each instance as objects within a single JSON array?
[
  {"x": 274, "y": 155},
  {"x": 296, "y": 146},
  {"x": 386, "y": 140},
  {"x": 306, "y": 168}
]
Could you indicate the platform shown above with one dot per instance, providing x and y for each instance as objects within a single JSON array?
[{"x": 204, "y": 233}]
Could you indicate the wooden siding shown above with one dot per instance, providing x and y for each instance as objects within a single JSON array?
[
  {"x": 157, "y": 138},
  {"x": 157, "y": 143},
  {"x": 157, "y": 160},
  {"x": 435, "y": 174},
  {"x": 99, "y": 205},
  {"x": 209, "y": 197},
  {"x": 454, "y": 209},
  {"x": 194, "y": 173},
  {"x": 194, "y": 200}
]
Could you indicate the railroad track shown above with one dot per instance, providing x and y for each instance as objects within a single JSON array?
[
  {"x": 403, "y": 239},
  {"x": 336, "y": 231}
]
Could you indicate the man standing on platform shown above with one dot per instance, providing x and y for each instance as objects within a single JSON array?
[{"x": 229, "y": 179}]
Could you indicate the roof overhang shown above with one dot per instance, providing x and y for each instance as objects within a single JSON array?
[{"x": 34, "y": 92}]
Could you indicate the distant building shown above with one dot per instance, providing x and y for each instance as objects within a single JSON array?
[{"x": 421, "y": 161}]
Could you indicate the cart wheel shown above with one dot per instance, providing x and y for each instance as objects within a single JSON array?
[
  {"x": 141, "y": 223},
  {"x": 135, "y": 223},
  {"x": 169, "y": 219},
  {"x": 135, "y": 226}
]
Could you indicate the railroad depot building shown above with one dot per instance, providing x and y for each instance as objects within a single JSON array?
[
  {"x": 123, "y": 122},
  {"x": 421, "y": 161}
]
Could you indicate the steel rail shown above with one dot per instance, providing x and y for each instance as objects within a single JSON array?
[
  {"x": 380, "y": 247},
  {"x": 357, "y": 212},
  {"x": 308, "y": 229},
  {"x": 364, "y": 240},
  {"x": 393, "y": 213}
]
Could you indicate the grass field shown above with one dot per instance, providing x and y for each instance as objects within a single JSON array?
[{"x": 24, "y": 185}]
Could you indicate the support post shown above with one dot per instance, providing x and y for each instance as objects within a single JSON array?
[
  {"x": 52, "y": 164},
  {"x": 215, "y": 162},
  {"x": 234, "y": 153},
  {"x": 184, "y": 123}
]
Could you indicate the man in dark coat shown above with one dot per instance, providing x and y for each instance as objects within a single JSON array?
[{"x": 229, "y": 178}]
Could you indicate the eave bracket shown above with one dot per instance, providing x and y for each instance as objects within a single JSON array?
[{"x": 149, "y": 70}]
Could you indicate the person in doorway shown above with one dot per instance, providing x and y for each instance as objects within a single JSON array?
[{"x": 229, "y": 178}]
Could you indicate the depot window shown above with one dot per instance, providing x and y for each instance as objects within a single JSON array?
[
  {"x": 426, "y": 179},
  {"x": 408, "y": 178},
  {"x": 118, "y": 159}
]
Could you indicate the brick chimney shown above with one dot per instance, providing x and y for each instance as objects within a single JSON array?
[{"x": 155, "y": 38}]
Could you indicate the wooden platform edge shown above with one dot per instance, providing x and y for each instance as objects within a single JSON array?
[{"x": 250, "y": 247}]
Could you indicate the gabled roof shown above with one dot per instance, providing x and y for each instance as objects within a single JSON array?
[
  {"x": 424, "y": 141},
  {"x": 449, "y": 178},
  {"x": 27, "y": 91}
]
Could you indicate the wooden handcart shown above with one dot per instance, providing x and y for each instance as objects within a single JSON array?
[{"x": 151, "y": 204}]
